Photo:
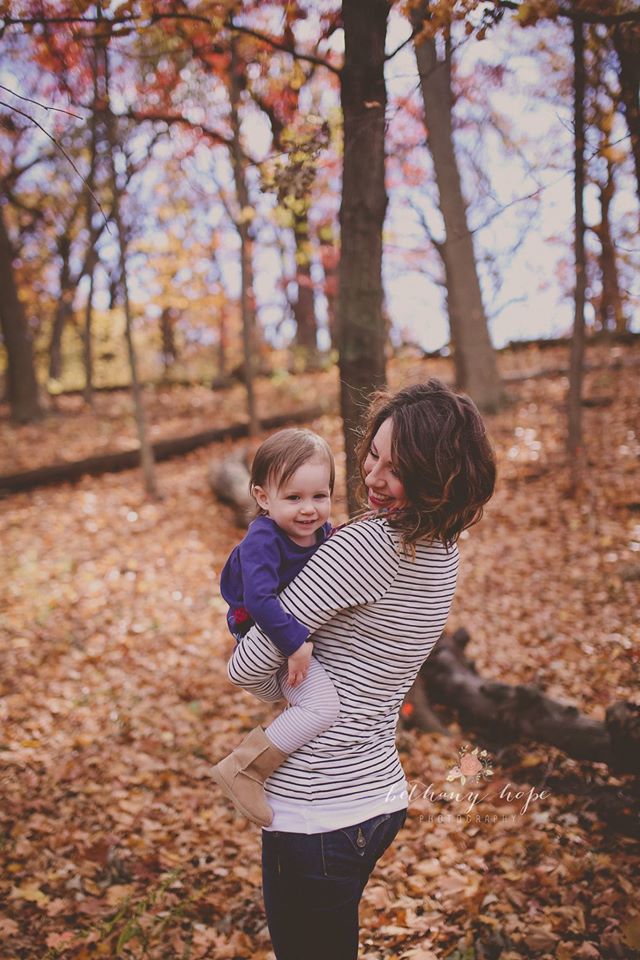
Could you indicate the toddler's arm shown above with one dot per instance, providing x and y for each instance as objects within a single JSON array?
[{"x": 261, "y": 563}]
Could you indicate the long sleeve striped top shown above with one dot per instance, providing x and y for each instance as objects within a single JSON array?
[{"x": 375, "y": 615}]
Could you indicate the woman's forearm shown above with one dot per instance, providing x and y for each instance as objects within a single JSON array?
[{"x": 254, "y": 665}]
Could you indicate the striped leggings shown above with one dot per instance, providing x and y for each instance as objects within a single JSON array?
[{"x": 313, "y": 706}]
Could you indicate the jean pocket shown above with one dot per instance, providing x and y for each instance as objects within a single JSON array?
[{"x": 345, "y": 851}]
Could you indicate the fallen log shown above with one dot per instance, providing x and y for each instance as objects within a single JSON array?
[
  {"x": 128, "y": 459},
  {"x": 507, "y": 713},
  {"x": 229, "y": 482},
  {"x": 620, "y": 363}
]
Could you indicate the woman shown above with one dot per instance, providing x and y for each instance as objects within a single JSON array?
[{"x": 376, "y": 597}]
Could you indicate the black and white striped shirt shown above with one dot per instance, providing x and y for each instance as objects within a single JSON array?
[{"x": 375, "y": 615}]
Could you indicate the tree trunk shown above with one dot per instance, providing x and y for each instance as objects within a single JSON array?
[
  {"x": 146, "y": 450},
  {"x": 22, "y": 386},
  {"x": 63, "y": 309},
  {"x": 611, "y": 312},
  {"x": 626, "y": 39},
  {"x": 304, "y": 309},
  {"x": 167, "y": 334},
  {"x": 362, "y": 213},
  {"x": 87, "y": 340},
  {"x": 574, "y": 435},
  {"x": 474, "y": 356},
  {"x": 247, "y": 310},
  {"x": 221, "y": 353},
  {"x": 99, "y": 78}
]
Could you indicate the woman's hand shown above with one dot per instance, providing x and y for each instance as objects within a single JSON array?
[{"x": 299, "y": 663}]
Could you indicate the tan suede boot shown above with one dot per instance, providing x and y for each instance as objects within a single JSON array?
[{"x": 242, "y": 774}]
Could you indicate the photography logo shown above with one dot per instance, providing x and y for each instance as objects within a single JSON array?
[{"x": 473, "y": 766}]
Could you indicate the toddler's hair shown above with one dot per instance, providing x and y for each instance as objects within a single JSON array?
[{"x": 281, "y": 454}]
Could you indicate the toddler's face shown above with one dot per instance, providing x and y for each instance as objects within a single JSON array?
[{"x": 302, "y": 504}]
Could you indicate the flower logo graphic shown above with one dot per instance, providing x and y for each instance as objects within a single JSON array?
[{"x": 473, "y": 766}]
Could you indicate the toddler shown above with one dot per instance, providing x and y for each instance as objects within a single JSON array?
[{"x": 292, "y": 480}]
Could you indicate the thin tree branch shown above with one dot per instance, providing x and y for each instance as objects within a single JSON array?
[
  {"x": 401, "y": 46},
  {"x": 43, "y": 106},
  {"x": 279, "y": 45},
  {"x": 438, "y": 244}
]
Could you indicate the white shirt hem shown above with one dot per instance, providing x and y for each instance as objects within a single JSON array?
[{"x": 299, "y": 816}]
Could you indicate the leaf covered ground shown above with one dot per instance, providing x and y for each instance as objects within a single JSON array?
[{"x": 113, "y": 839}]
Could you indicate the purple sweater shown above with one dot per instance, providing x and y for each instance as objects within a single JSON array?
[{"x": 262, "y": 565}]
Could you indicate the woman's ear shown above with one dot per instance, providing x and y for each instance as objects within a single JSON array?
[{"x": 261, "y": 497}]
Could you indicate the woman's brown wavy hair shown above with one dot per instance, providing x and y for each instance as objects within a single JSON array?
[{"x": 442, "y": 456}]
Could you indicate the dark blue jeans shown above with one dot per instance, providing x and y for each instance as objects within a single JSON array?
[{"x": 312, "y": 885}]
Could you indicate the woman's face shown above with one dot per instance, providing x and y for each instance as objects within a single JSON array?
[{"x": 383, "y": 484}]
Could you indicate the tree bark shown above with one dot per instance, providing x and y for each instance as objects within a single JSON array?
[
  {"x": 63, "y": 307},
  {"x": 304, "y": 308},
  {"x": 574, "y": 434},
  {"x": 626, "y": 39},
  {"x": 92, "y": 258},
  {"x": 87, "y": 341},
  {"x": 167, "y": 335},
  {"x": 610, "y": 311},
  {"x": 474, "y": 357},
  {"x": 146, "y": 450},
  {"x": 247, "y": 311},
  {"x": 362, "y": 213},
  {"x": 221, "y": 375},
  {"x": 22, "y": 386}
]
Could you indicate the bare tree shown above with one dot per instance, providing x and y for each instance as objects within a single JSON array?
[
  {"x": 362, "y": 212},
  {"x": 146, "y": 450},
  {"x": 474, "y": 356},
  {"x": 247, "y": 311},
  {"x": 574, "y": 435}
]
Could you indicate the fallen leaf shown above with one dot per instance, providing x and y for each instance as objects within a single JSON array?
[{"x": 30, "y": 892}]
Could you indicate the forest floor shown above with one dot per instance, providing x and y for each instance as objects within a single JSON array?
[{"x": 113, "y": 839}]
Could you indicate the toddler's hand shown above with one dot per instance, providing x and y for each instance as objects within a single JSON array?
[{"x": 299, "y": 663}]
